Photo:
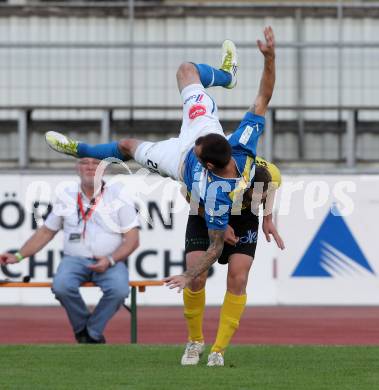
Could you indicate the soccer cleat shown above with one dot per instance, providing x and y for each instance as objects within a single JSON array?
[
  {"x": 230, "y": 61},
  {"x": 215, "y": 359},
  {"x": 62, "y": 144},
  {"x": 192, "y": 353}
]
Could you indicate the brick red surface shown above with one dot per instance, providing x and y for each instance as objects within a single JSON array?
[{"x": 164, "y": 325}]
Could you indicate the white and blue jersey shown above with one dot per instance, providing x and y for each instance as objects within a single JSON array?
[{"x": 222, "y": 196}]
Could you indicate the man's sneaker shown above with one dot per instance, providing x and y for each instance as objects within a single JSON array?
[
  {"x": 192, "y": 353},
  {"x": 215, "y": 359},
  {"x": 91, "y": 340},
  {"x": 82, "y": 336},
  {"x": 230, "y": 61},
  {"x": 62, "y": 144}
]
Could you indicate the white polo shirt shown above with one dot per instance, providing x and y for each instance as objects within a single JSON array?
[{"x": 113, "y": 215}]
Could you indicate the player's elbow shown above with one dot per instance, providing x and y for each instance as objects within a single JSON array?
[
  {"x": 215, "y": 251},
  {"x": 187, "y": 70},
  {"x": 261, "y": 104},
  {"x": 219, "y": 251},
  {"x": 264, "y": 98}
]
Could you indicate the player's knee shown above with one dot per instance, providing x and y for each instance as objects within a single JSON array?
[
  {"x": 198, "y": 283},
  {"x": 237, "y": 283},
  {"x": 126, "y": 146},
  {"x": 185, "y": 71}
]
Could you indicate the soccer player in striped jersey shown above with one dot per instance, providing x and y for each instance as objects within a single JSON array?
[{"x": 240, "y": 238}]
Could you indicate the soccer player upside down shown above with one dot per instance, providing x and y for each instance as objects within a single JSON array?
[{"x": 221, "y": 176}]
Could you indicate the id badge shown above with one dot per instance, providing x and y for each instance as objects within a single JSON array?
[{"x": 74, "y": 237}]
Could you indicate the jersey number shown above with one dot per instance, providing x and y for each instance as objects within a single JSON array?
[{"x": 152, "y": 166}]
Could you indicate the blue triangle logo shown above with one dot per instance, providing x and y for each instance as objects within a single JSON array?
[{"x": 333, "y": 252}]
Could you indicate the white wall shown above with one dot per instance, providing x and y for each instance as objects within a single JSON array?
[
  {"x": 334, "y": 271},
  {"x": 101, "y": 76}
]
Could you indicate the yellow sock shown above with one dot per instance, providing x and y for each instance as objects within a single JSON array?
[
  {"x": 194, "y": 305},
  {"x": 231, "y": 312}
]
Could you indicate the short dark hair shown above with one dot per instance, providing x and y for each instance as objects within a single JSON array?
[
  {"x": 262, "y": 175},
  {"x": 215, "y": 149}
]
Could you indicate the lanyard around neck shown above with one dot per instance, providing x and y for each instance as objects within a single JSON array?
[{"x": 85, "y": 215}]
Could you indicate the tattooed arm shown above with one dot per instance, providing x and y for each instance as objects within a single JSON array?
[
  {"x": 203, "y": 263},
  {"x": 216, "y": 244}
]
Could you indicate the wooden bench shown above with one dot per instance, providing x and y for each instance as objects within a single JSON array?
[{"x": 132, "y": 309}]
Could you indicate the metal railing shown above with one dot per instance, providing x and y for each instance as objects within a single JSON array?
[{"x": 24, "y": 115}]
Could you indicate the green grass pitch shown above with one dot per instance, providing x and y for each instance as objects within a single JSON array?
[{"x": 157, "y": 367}]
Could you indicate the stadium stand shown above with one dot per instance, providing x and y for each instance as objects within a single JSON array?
[{"x": 95, "y": 70}]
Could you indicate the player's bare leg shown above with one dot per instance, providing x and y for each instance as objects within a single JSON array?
[
  {"x": 238, "y": 273},
  {"x": 188, "y": 74},
  {"x": 226, "y": 76},
  {"x": 124, "y": 149},
  {"x": 129, "y": 146}
]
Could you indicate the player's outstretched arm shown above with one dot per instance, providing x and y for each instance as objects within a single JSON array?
[
  {"x": 203, "y": 263},
  {"x": 266, "y": 86},
  {"x": 269, "y": 229}
]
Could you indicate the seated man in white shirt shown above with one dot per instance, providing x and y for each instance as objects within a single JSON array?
[{"x": 97, "y": 241}]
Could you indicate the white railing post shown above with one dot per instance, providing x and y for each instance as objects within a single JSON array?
[
  {"x": 23, "y": 146},
  {"x": 268, "y": 136},
  {"x": 106, "y": 117},
  {"x": 131, "y": 10},
  {"x": 350, "y": 140}
]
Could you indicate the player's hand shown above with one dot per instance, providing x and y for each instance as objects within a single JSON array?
[
  {"x": 269, "y": 229},
  {"x": 267, "y": 48},
  {"x": 177, "y": 281},
  {"x": 230, "y": 237},
  {"x": 101, "y": 265},
  {"x": 8, "y": 258}
]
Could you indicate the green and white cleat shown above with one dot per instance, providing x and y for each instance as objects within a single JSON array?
[
  {"x": 192, "y": 353},
  {"x": 62, "y": 144},
  {"x": 215, "y": 359},
  {"x": 230, "y": 61}
]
